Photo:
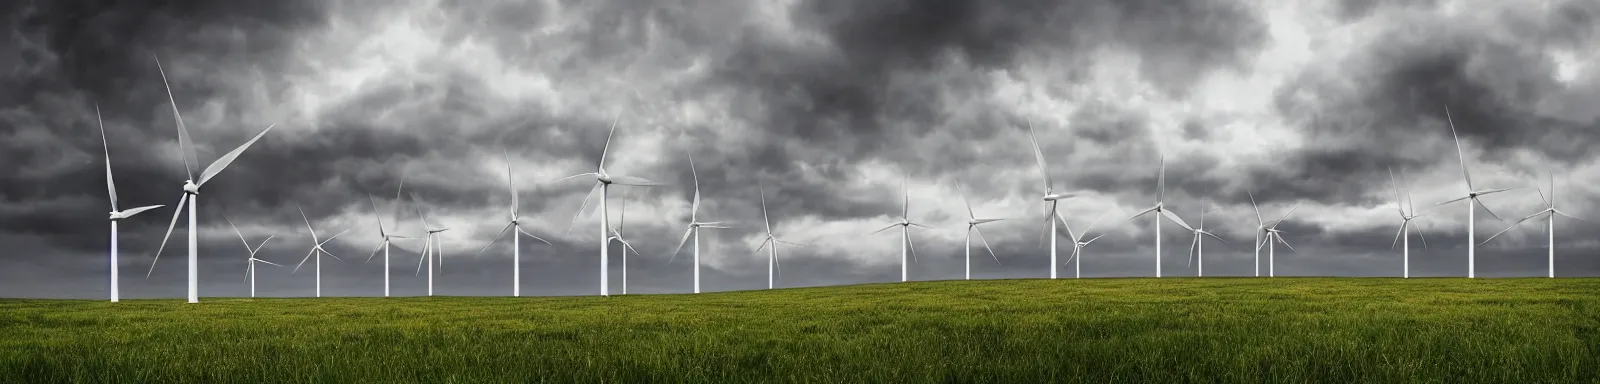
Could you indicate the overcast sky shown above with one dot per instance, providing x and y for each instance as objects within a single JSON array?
[{"x": 828, "y": 104}]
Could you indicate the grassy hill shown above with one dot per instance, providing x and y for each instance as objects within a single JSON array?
[{"x": 1172, "y": 330}]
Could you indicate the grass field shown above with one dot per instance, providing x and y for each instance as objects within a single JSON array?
[{"x": 1229, "y": 330}]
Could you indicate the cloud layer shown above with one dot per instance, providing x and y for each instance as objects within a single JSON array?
[{"x": 828, "y": 105}]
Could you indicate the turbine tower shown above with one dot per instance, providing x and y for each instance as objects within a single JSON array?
[
  {"x": 250, "y": 270},
  {"x": 772, "y": 255},
  {"x": 905, "y": 225},
  {"x": 116, "y": 214},
  {"x": 431, "y": 244},
  {"x": 1408, "y": 212},
  {"x": 694, "y": 227},
  {"x": 1472, "y": 200},
  {"x": 191, "y": 190},
  {"x": 1160, "y": 210},
  {"x": 1550, "y": 213},
  {"x": 385, "y": 235},
  {"x": 1197, "y": 247},
  {"x": 1078, "y": 244},
  {"x": 603, "y": 183},
  {"x": 516, "y": 242},
  {"x": 972, "y": 226},
  {"x": 616, "y": 234},
  {"x": 1050, "y": 198},
  {"x": 316, "y": 248}
]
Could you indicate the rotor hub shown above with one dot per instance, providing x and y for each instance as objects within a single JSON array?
[
  {"x": 603, "y": 178},
  {"x": 189, "y": 187},
  {"x": 116, "y": 215}
]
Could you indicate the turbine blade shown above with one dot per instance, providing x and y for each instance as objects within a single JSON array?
[
  {"x": 1086, "y": 243},
  {"x": 574, "y": 176},
  {"x": 1214, "y": 236},
  {"x": 911, "y": 245},
  {"x": 250, "y": 265},
  {"x": 1286, "y": 215},
  {"x": 1459, "y": 151},
  {"x": 1095, "y": 221},
  {"x": 1453, "y": 200},
  {"x": 681, "y": 242},
  {"x": 222, "y": 162},
  {"x": 920, "y": 226},
  {"x": 884, "y": 229},
  {"x": 1411, "y": 204},
  {"x": 397, "y": 193},
  {"x": 377, "y": 215},
  {"x": 1070, "y": 234},
  {"x": 984, "y": 221},
  {"x": 607, "y": 148},
  {"x": 236, "y": 231},
  {"x": 1256, "y": 208},
  {"x": 1192, "y": 244},
  {"x": 546, "y": 242},
  {"x": 790, "y": 243},
  {"x": 1161, "y": 180},
  {"x": 1497, "y": 190},
  {"x": 269, "y": 262},
  {"x": 134, "y": 211},
  {"x": 634, "y": 181},
  {"x": 905, "y": 207},
  {"x": 1398, "y": 202},
  {"x": 1285, "y": 243},
  {"x": 1175, "y": 219},
  {"x": 1038, "y": 156},
  {"x": 1541, "y": 194},
  {"x": 416, "y": 202},
  {"x": 1513, "y": 225},
  {"x": 1400, "y": 232},
  {"x": 375, "y": 251},
  {"x": 1486, "y": 209},
  {"x": 496, "y": 238},
  {"x": 426, "y": 247},
  {"x": 175, "y": 212},
  {"x": 970, "y": 214},
  {"x": 1141, "y": 213},
  {"x": 263, "y": 244},
  {"x": 510, "y": 182},
  {"x": 583, "y": 205},
  {"x": 303, "y": 261},
  {"x": 764, "y": 218},
  {"x": 986, "y": 245},
  {"x": 185, "y": 146},
  {"x": 111, "y": 186},
  {"x": 694, "y": 207},
  {"x": 1564, "y": 213},
  {"x": 308, "y": 223},
  {"x": 330, "y": 238},
  {"x": 763, "y": 245},
  {"x": 1424, "y": 238}
]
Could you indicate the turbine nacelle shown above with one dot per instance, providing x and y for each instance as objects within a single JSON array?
[
  {"x": 1059, "y": 196},
  {"x": 190, "y": 187},
  {"x": 602, "y": 177}
]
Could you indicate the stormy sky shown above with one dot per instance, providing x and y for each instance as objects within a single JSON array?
[{"x": 829, "y": 105}]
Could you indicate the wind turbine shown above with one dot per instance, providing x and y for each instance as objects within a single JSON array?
[
  {"x": 905, "y": 225},
  {"x": 694, "y": 228},
  {"x": 1472, "y": 200},
  {"x": 116, "y": 214},
  {"x": 1197, "y": 247},
  {"x": 316, "y": 248},
  {"x": 616, "y": 234},
  {"x": 1408, "y": 212},
  {"x": 1160, "y": 210},
  {"x": 772, "y": 255},
  {"x": 431, "y": 245},
  {"x": 1272, "y": 233},
  {"x": 1078, "y": 243},
  {"x": 1550, "y": 213},
  {"x": 191, "y": 190},
  {"x": 387, "y": 237},
  {"x": 516, "y": 242},
  {"x": 1050, "y": 197},
  {"x": 603, "y": 183},
  {"x": 972, "y": 226},
  {"x": 250, "y": 271}
]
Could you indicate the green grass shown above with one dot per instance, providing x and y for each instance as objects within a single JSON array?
[{"x": 1229, "y": 330}]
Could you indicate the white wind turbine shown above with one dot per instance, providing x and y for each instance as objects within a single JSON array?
[
  {"x": 1197, "y": 247},
  {"x": 385, "y": 235},
  {"x": 616, "y": 234},
  {"x": 191, "y": 190},
  {"x": 116, "y": 214},
  {"x": 1160, "y": 210},
  {"x": 516, "y": 242},
  {"x": 1272, "y": 233},
  {"x": 1472, "y": 200},
  {"x": 431, "y": 245},
  {"x": 694, "y": 228},
  {"x": 1050, "y": 197},
  {"x": 1550, "y": 213},
  {"x": 603, "y": 183},
  {"x": 1078, "y": 243},
  {"x": 316, "y": 248},
  {"x": 772, "y": 255},
  {"x": 1408, "y": 212},
  {"x": 972, "y": 226},
  {"x": 250, "y": 270},
  {"x": 905, "y": 225}
]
